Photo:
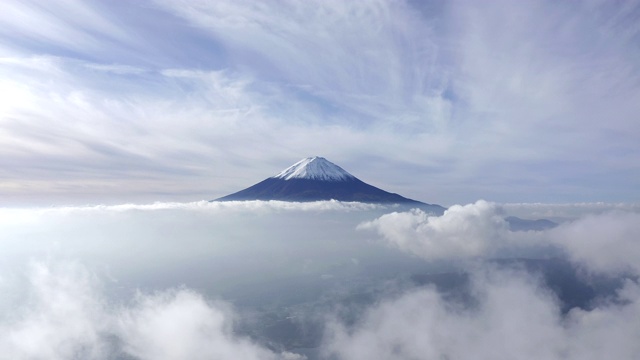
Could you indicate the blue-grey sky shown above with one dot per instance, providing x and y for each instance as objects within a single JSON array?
[{"x": 445, "y": 102}]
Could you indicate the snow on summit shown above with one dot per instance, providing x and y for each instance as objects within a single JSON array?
[
  {"x": 317, "y": 179},
  {"x": 315, "y": 168}
]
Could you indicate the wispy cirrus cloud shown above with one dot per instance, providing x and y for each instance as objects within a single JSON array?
[
  {"x": 374, "y": 58},
  {"x": 543, "y": 82},
  {"x": 64, "y": 28},
  {"x": 527, "y": 101}
]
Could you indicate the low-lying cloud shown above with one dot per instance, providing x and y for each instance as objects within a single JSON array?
[
  {"x": 218, "y": 246},
  {"x": 515, "y": 317},
  {"x": 462, "y": 232},
  {"x": 180, "y": 324},
  {"x": 67, "y": 317},
  {"x": 606, "y": 241},
  {"x": 266, "y": 280},
  {"x": 511, "y": 315}
]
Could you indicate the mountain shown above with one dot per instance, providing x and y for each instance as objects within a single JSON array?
[
  {"x": 316, "y": 178},
  {"x": 518, "y": 224}
]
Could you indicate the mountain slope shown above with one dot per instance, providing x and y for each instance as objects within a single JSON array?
[{"x": 314, "y": 179}]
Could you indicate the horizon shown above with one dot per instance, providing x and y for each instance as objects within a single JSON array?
[{"x": 597, "y": 206}]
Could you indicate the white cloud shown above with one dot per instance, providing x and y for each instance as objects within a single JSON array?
[
  {"x": 199, "y": 244},
  {"x": 169, "y": 248},
  {"x": 532, "y": 70},
  {"x": 117, "y": 69},
  {"x": 473, "y": 230},
  {"x": 132, "y": 133},
  {"x": 101, "y": 132},
  {"x": 460, "y": 116},
  {"x": 514, "y": 318},
  {"x": 181, "y": 325},
  {"x": 17, "y": 215},
  {"x": 601, "y": 239},
  {"x": 608, "y": 242},
  {"x": 352, "y": 54},
  {"x": 607, "y": 330},
  {"x": 513, "y": 315},
  {"x": 67, "y": 25},
  {"x": 62, "y": 319},
  {"x": 68, "y": 317},
  {"x": 393, "y": 89}
]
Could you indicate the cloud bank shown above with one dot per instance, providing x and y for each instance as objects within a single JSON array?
[
  {"x": 608, "y": 242},
  {"x": 462, "y": 232},
  {"x": 514, "y": 318},
  {"x": 67, "y": 317},
  {"x": 603, "y": 242},
  {"x": 271, "y": 280}
]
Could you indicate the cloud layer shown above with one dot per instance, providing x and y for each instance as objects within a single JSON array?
[
  {"x": 67, "y": 317},
  {"x": 609, "y": 242},
  {"x": 200, "y": 244},
  {"x": 274, "y": 280},
  {"x": 603, "y": 242},
  {"x": 515, "y": 317}
]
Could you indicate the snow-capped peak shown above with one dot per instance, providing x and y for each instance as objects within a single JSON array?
[{"x": 315, "y": 168}]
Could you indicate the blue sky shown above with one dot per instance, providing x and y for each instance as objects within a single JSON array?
[{"x": 446, "y": 102}]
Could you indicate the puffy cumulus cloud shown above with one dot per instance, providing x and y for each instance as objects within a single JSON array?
[
  {"x": 604, "y": 241},
  {"x": 512, "y": 317},
  {"x": 288, "y": 257},
  {"x": 510, "y": 314},
  {"x": 62, "y": 318},
  {"x": 608, "y": 330},
  {"x": 182, "y": 325},
  {"x": 463, "y": 231},
  {"x": 68, "y": 317},
  {"x": 608, "y": 242}
]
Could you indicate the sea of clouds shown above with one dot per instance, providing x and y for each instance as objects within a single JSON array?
[{"x": 201, "y": 280}]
